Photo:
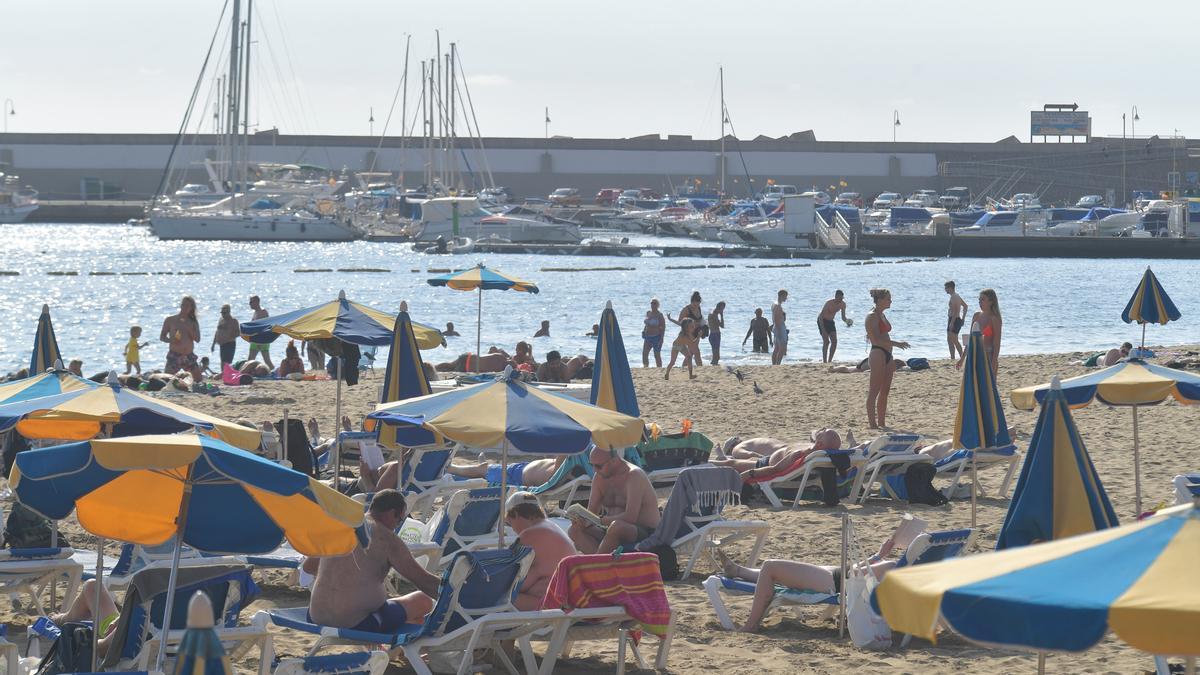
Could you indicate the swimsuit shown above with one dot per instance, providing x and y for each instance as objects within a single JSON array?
[
  {"x": 228, "y": 350},
  {"x": 177, "y": 361},
  {"x": 389, "y": 618},
  {"x": 714, "y": 340},
  {"x": 762, "y": 462},
  {"x": 988, "y": 332},
  {"x": 132, "y": 351},
  {"x": 514, "y": 473},
  {"x": 887, "y": 356},
  {"x": 955, "y": 325},
  {"x": 884, "y": 327},
  {"x": 826, "y": 326},
  {"x": 655, "y": 341}
]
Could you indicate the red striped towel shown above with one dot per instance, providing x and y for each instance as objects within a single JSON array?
[{"x": 631, "y": 581}]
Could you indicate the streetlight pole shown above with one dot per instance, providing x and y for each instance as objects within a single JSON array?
[
  {"x": 895, "y": 123},
  {"x": 9, "y": 109},
  {"x": 1124, "y": 194},
  {"x": 1133, "y": 122}
]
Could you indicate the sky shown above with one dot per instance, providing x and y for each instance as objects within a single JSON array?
[{"x": 950, "y": 70}]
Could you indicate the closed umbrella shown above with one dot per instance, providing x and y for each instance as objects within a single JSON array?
[
  {"x": 45, "y": 345},
  {"x": 1149, "y": 304},
  {"x": 200, "y": 652},
  {"x": 1059, "y": 493},
  {"x": 979, "y": 421},
  {"x": 1136, "y": 580},
  {"x": 612, "y": 383},
  {"x": 512, "y": 414},
  {"x": 404, "y": 379},
  {"x": 195, "y": 490},
  {"x": 482, "y": 279}
]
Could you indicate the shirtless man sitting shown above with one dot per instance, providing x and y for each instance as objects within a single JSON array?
[
  {"x": 762, "y": 455},
  {"x": 349, "y": 590},
  {"x": 550, "y": 545},
  {"x": 624, "y": 498}
]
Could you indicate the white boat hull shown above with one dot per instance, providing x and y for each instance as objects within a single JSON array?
[
  {"x": 16, "y": 214},
  {"x": 231, "y": 227},
  {"x": 515, "y": 230}
]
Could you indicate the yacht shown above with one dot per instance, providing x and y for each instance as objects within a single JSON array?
[
  {"x": 795, "y": 229},
  {"x": 16, "y": 202},
  {"x": 995, "y": 223},
  {"x": 262, "y": 220},
  {"x": 448, "y": 217}
]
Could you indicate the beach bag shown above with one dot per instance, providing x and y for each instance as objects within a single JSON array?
[
  {"x": 868, "y": 630},
  {"x": 668, "y": 563},
  {"x": 918, "y": 485},
  {"x": 829, "y": 477},
  {"x": 26, "y": 529},
  {"x": 918, "y": 363},
  {"x": 70, "y": 653}
]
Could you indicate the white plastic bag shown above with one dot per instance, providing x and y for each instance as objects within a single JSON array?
[{"x": 868, "y": 630}]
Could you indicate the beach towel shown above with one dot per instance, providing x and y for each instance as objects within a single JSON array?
[
  {"x": 630, "y": 581},
  {"x": 696, "y": 491}
]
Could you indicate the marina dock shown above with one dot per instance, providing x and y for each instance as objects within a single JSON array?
[{"x": 900, "y": 245}]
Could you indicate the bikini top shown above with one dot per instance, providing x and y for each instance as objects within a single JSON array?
[
  {"x": 652, "y": 321},
  {"x": 987, "y": 331},
  {"x": 884, "y": 325}
]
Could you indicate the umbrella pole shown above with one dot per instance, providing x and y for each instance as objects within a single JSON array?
[
  {"x": 1041, "y": 663},
  {"x": 845, "y": 576},
  {"x": 478, "y": 328},
  {"x": 1143, "y": 335},
  {"x": 179, "y": 525},
  {"x": 1137, "y": 467},
  {"x": 337, "y": 425},
  {"x": 96, "y": 618},
  {"x": 974, "y": 480},
  {"x": 283, "y": 437},
  {"x": 503, "y": 487}
]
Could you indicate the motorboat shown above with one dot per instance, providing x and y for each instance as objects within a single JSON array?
[
  {"x": 995, "y": 223},
  {"x": 796, "y": 228},
  {"x": 16, "y": 202},
  {"x": 226, "y": 222},
  {"x": 449, "y": 217}
]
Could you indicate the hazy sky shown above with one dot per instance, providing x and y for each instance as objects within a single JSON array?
[{"x": 955, "y": 71}]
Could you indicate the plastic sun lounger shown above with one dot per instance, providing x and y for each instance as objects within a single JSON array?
[
  {"x": 32, "y": 570},
  {"x": 705, "y": 528},
  {"x": 889, "y": 455},
  {"x": 8, "y": 652},
  {"x": 1187, "y": 487},
  {"x": 604, "y": 623},
  {"x": 357, "y": 663},
  {"x": 926, "y": 548},
  {"x": 798, "y": 477},
  {"x": 474, "y": 611},
  {"x": 959, "y": 462}
]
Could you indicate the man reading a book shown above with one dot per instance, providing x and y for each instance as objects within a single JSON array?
[{"x": 624, "y": 502}]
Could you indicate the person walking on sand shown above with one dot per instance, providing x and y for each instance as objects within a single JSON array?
[
  {"x": 827, "y": 327},
  {"x": 133, "y": 349},
  {"x": 990, "y": 324},
  {"x": 181, "y": 332},
  {"x": 880, "y": 358},
  {"x": 653, "y": 329},
  {"x": 687, "y": 340},
  {"x": 779, "y": 329},
  {"x": 716, "y": 321},
  {"x": 760, "y": 328},
  {"x": 226, "y": 335},
  {"x": 958, "y": 314},
  {"x": 256, "y": 348},
  {"x": 691, "y": 311}
]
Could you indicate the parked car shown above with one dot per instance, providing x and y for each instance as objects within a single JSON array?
[
  {"x": 955, "y": 198},
  {"x": 1090, "y": 201},
  {"x": 497, "y": 195},
  {"x": 608, "y": 196},
  {"x": 819, "y": 198},
  {"x": 565, "y": 197},
  {"x": 887, "y": 200},
  {"x": 779, "y": 191},
  {"x": 921, "y": 200},
  {"x": 849, "y": 199}
]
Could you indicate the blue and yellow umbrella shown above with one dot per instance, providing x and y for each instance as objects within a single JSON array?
[
  {"x": 340, "y": 319},
  {"x": 45, "y": 345},
  {"x": 1132, "y": 382},
  {"x": 979, "y": 421},
  {"x": 480, "y": 278},
  {"x": 1059, "y": 493},
  {"x": 405, "y": 378},
  {"x": 612, "y": 383},
  {"x": 81, "y": 413},
  {"x": 1137, "y": 581},
  {"x": 200, "y": 651},
  {"x": 199, "y": 491},
  {"x": 49, "y": 383},
  {"x": 1150, "y": 304}
]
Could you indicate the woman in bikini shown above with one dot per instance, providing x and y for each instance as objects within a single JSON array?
[
  {"x": 655, "y": 326},
  {"x": 686, "y": 343},
  {"x": 691, "y": 311},
  {"x": 990, "y": 324},
  {"x": 880, "y": 358}
]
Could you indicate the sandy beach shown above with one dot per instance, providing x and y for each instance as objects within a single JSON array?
[{"x": 797, "y": 398}]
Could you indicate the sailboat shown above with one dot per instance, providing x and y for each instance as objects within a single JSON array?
[{"x": 244, "y": 215}]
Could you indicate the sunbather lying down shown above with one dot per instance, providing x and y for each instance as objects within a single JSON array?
[
  {"x": 945, "y": 448},
  {"x": 530, "y": 474},
  {"x": 762, "y": 455},
  {"x": 799, "y": 576}
]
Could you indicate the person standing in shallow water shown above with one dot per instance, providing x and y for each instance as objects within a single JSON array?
[
  {"x": 691, "y": 311},
  {"x": 653, "y": 329},
  {"x": 760, "y": 328},
  {"x": 779, "y": 328},
  {"x": 954, "y": 324},
  {"x": 716, "y": 321},
  {"x": 828, "y": 328}
]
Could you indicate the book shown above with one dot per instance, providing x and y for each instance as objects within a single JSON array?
[{"x": 579, "y": 512}]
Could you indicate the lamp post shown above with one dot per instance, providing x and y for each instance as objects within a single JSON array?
[
  {"x": 1133, "y": 122},
  {"x": 9, "y": 109},
  {"x": 895, "y": 123}
]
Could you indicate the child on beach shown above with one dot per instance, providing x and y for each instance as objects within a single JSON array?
[
  {"x": 687, "y": 344},
  {"x": 133, "y": 359}
]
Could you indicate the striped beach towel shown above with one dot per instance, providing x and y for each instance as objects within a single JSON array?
[{"x": 631, "y": 581}]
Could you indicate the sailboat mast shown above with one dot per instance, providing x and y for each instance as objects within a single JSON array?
[
  {"x": 452, "y": 82},
  {"x": 721, "y": 71},
  {"x": 404, "y": 112},
  {"x": 231, "y": 122},
  {"x": 246, "y": 99}
]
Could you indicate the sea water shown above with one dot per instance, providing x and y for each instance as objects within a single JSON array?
[{"x": 101, "y": 279}]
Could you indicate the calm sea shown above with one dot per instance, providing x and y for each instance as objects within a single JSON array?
[{"x": 100, "y": 279}]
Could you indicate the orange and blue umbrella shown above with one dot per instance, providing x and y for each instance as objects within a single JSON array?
[
  {"x": 979, "y": 421},
  {"x": 1150, "y": 303},
  {"x": 612, "y": 383},
  {"x": 340, "y": 319},
  {"x": 1059, "y": 493},
  {"x": 480, "y": 279},
  {"x": 49, "y": 383},
  {"x": 1137, "y": 581},
  {"x": 45, "y": 345},
  {"x": 405, "y": 378}
]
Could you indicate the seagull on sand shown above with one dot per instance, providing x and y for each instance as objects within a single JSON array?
[{"x": 757, "y": 389}]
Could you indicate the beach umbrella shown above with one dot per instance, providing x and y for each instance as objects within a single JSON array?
[
  {"x": 1059, "y": 493},
  {"x": 200, "y": 651},
  {"x": 612, "y": 383},
  {"x": 81, "y": 414},
  {"x": 1149, "y": 304},
  {"x": 49, "y": 383},
  {"x": 979, "y": 421},
  {"x": 404, "y": 379},
  {"x": 480, "y": 278},
  {"x": 1133, "y": 383},
  {"x": 512, "y": 414},
  {"x": 194, "y": 490},
  {"x": 1138, "y": 581},
  {"x": 45, "y": 345}
]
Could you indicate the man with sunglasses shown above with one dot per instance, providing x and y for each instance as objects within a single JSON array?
[{"x": 624, "y": 498}]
